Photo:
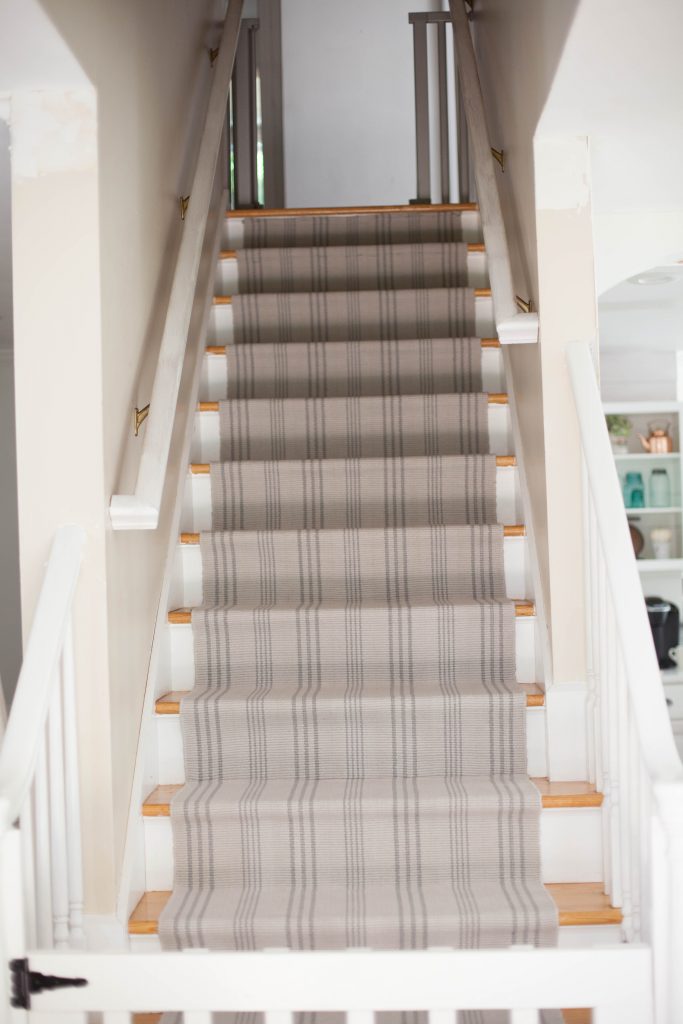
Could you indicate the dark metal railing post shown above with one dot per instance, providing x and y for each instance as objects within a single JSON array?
[
  {"x": 421, "y": 109},
  {"x": 245, "y": 140},
  {"x": 443, "y": 114}
]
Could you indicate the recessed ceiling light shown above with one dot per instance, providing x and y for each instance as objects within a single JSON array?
[{"x": 652, "y": 277}]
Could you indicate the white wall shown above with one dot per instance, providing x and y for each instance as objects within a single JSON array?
[
  {"x": 105, "y": 105},
  {"x": 349, "y": 107},
  {"x": 10, "y": 596}
]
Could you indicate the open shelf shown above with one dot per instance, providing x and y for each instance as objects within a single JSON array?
[
  {"x": 659, "y": 564},
  {"x": 646, "y": 456},
  {"x": 651, "y": 510}
]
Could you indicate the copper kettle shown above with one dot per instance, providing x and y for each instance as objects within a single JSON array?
[{"x": 659, "y": 441}]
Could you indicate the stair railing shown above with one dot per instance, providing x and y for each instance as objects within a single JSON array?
[
  {"x": 513, "y": 325},
  {"x": 41, "y": 876},
  {"x": 140, "y": 510},
  {"x": 633, "y": 756}
]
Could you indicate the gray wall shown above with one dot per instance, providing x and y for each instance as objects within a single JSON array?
[
  {"x": 348, "y": 95},
  {"x": 10, "y": 611}
]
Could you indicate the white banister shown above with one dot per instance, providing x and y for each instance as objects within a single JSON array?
[
  {"x": 512, "y": 326},
  {"x": 140, "y": 510},
  {"x": 39, "y": 778},
  {"x": 634, "y": 758}
]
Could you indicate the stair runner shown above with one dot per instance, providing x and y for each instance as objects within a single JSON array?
[{"x": 355, "y": 749}]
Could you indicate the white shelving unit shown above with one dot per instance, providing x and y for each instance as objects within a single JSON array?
[
  {"x": 660, "y": 577},
  {"x": 637, "y": 460}
]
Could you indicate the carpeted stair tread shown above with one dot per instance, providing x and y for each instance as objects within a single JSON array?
[
  {"x": 410, "y": 566},
  {"x": 344, "y": 493},
  {"x": 405, "y": 645},
  {"x": 352, "y": 267},
  {"x": 480, "y": 914},
  {"x": 368, "y": 831},
  {"x": 340, "y": 368},
  {"x": 353, "y": 315},
  {"x": 346, "y": 428},
  {"x": 354, "y": 727},
  {"x": 380, "y": 228}
]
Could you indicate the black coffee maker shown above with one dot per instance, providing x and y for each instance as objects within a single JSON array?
[{"x": 665, "y": 623}]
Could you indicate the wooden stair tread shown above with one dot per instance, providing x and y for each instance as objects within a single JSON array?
[
  {"x": 220, "y": 350},
  {"x": 494, "y": 398},
  {"x": 345, "y": 211},
  {"x": 513, "y": 530},
  {"x": 232, "y": 254},
  {"x": 169, "y": 703},
  {"x": 204, "y": 468},
  {"x": 225, "y": 300},
  {"x": 578, "y": 903},
  {"x": 183, "y": 616},
  {"x": 553, "y": 795}
]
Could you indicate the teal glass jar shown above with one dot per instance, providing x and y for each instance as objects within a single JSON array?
[
  {"x": 634, "y": 490},
  {"x": 660, "y": 488}
]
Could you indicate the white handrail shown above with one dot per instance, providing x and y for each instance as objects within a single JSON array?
[
  {"x": 39, "y": 781},
  {"x": 512, "y": 326},
  {"x": 642, "y": 671},
  {"x": 633, "y": 756},
  {"x": 141, "y": 509}
]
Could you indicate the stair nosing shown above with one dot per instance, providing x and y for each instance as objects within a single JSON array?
[
  {"x": 350, "y": 211},
  {"x": 204, "y": 468},
  {"x": 159, "y": 806},
  {"x": 569, "y": 916},
  {"x": 168, "y": 705}
]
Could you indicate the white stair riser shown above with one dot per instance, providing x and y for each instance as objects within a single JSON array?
[
  {"x": 206, "y": 436},
  {"x": 187, "y": 573},
  {"x": 220, "y": 330},
  {"x": 196, "y": 514},
  {"x": 214, "y": 382},
  {"x": 233, "y": 231},
  {"x": 171, "y": 769},
  {"x": 228, "y": 277},
  {"x": 571, "y": 847},
  {"x": 181, "y": 651}
]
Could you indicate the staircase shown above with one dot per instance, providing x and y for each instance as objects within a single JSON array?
[{"x": 352, "y": 517}]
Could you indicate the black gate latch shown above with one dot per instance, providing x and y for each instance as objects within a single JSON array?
[{"x": 26, "y": 983}]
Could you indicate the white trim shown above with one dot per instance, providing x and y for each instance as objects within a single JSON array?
[
  {"x": 136, "y": 511},
  {"x": 134, "y": 851},
  {"x": 617, "y": 980}
]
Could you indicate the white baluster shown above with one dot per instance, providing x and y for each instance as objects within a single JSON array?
[
  {"x": 58, "y": 856},
  {"x": 72, "y": 794},
  {"x": 42, "y": 852},
  {"x": 365, "y": 1017},
  {"x": 626, "y": 795},
  {"x": 28, "y": 877},
  {"x": 588, "y": 577},
  {"x": 611, "y": 654},
  {"x": 603, "y": 694},
  {"x": 117, "y": 1017}
]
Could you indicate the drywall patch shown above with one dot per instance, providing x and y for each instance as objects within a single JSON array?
[
  {"x": 53, "y": 131},
  {"x": 562, "y": 172}
]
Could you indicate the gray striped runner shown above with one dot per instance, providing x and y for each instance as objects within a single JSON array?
[{"x": 354, "y": 745}]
